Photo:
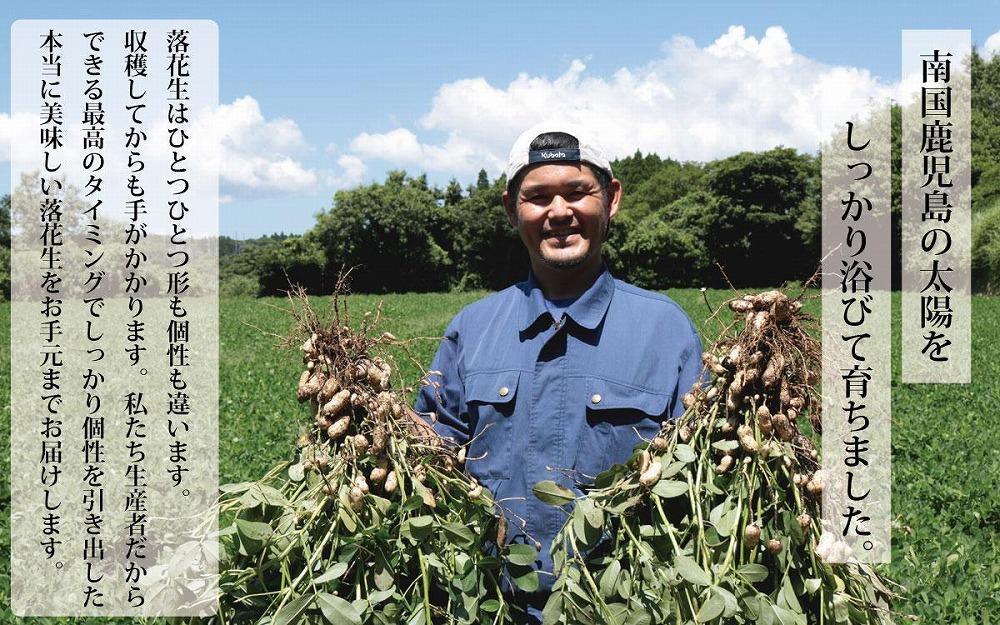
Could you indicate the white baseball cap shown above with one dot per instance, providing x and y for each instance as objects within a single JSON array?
[{"x": 589, "y": 151}]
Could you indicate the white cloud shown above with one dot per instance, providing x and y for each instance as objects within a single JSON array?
[
  {"x": 20, "y": 129},
  {"x": 353, "y": 172},
  {"x": 458, "y": 153},
  {"x": 257, "y": 154},
  {"x": 992, "y": 45},
  {"x": 690, "y": 103},
  {"x": 254, "y": 155},
  {"x": 773, "y": 50}
]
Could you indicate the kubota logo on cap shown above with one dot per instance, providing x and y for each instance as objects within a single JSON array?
[{"x": 553, "y": 154}]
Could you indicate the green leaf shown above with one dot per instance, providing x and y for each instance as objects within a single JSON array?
[
  {"x": 425, "y": 494},
  {"x": 788, "y": 596},
  {"x": 376, "y": 597},
  {"x": 593, "y": 516},
  {"x": 383, "y": 577},
  {"x": 417, "y": 618},
  {"x": 459, "y": 534},
  {"x": 727, "y": 522},
  {"x": 716, "y": 513},
  {"x": 553, "y": 608},
  {"x": 625, "y": 504},
  {"x": 434, "y": 561},
  {"x": 332, "y": 573},
  {"x": 238, "y": 487},
  {"x": 292, "y": 611},
  {"x": 691, "y": 571},
  {"x": 489, "y": 563},
  {"x": 254, "y": 530},
  {"x": 419, "y": 527},
  {"x": 840, "y": 603},
  {"x": 552, "y": 493},
  {"x": 347, "y": 520},
  {"x": 726, "y": 445},
  {"x": 812, "y": 585},
  {"x": 766, "y": 612},
  {"x": 639, "y": 617},
  {"x": 672, "y": 469},
  {"x": 527, "y": 581},
  {"x": 667, "y": 489},
  {"x": 710, "y": 609},
  {"x": 253, "y": 535},
  {"x": 617, "y": 613},
  {"x": 490, "y": 605},
  {"x": 710, "y": 487},
  {"x": 732, "y": 604},
  {"x": 684, "y": 453},
  {"x": 624, "y": 587},
  {"x": 259, "y": 494},
  {"x": 787, "y": 617},
  {"x": 337, "y": 611},
  {"x": 609, "y": 579},
  {"x": 361, "y": 606},
  {"x": 296, "y": 472},
  {"x": 412, "y": 503},
  {"x": 753, "y": 572},
  {"x": 379, "y": 503},
  {"x": 587, "y": 534},
  {"x": 521, "y": 555}
]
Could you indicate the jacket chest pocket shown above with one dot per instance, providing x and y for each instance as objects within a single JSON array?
[
  {"x": 617, "y": 418},
  {"x": 490, "y": 398}
]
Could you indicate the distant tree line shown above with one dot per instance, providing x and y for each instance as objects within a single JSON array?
[{"x": 754, "y": 214}]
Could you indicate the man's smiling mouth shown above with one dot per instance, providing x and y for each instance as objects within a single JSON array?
[{"x": 560, "y": 233}]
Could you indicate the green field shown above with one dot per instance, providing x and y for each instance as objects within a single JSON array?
[{"x": 946, "y": 464}]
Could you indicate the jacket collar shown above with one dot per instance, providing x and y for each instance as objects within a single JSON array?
[{"x": 587, "y": 311}]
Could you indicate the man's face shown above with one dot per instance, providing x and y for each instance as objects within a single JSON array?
[{"x": 561, "y": 214}]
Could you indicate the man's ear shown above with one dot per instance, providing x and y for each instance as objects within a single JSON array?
[
  {"x": 615, "y": 197},
  {"x": 509, "y": 208}
]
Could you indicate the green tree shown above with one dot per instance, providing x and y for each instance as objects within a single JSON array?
[
  {"x": 394, "y": 234},
  {"x": 5, "y": 221},
  {"x": 5, "y": 247},
  {"x": 667, "y": 183},
  {"x": 634, "y": 170},
  {"x": 453, "y": 194},
  {"x": 483, "y": 181},
  {"x": 986, "y": 250},
  {"x": 297, "y": 261},
  {"x": 985, "y": 130},
  {"x": 751, "y": 228},
  {"x": 489, "y": 250},
  {"x": 653, "y": 253}
]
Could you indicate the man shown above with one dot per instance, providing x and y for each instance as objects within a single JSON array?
[{"x": 560, "y": 376}]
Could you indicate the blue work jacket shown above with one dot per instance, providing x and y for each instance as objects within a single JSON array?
[{"x": 558, "y": 399}]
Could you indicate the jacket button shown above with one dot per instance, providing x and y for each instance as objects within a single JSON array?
[
  {"x": 504, "y": 391},
  {"x": 595, "y": 398}
]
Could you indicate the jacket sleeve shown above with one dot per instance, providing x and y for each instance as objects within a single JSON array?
[{"x": 442, "y": 391}]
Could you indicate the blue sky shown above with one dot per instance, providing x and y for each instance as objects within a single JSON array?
[{"x": 327, "y": 95}]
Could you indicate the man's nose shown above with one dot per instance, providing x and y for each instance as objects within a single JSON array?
[{"x": 560, "y": 208}]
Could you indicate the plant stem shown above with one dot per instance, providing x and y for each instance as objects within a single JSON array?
[{"x": 427, "y": 586}]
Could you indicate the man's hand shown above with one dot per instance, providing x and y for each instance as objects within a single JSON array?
[{"x": 419, "y": 426}]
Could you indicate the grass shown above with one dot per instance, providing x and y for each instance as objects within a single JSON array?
[{"x": 946, "y": 462}]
